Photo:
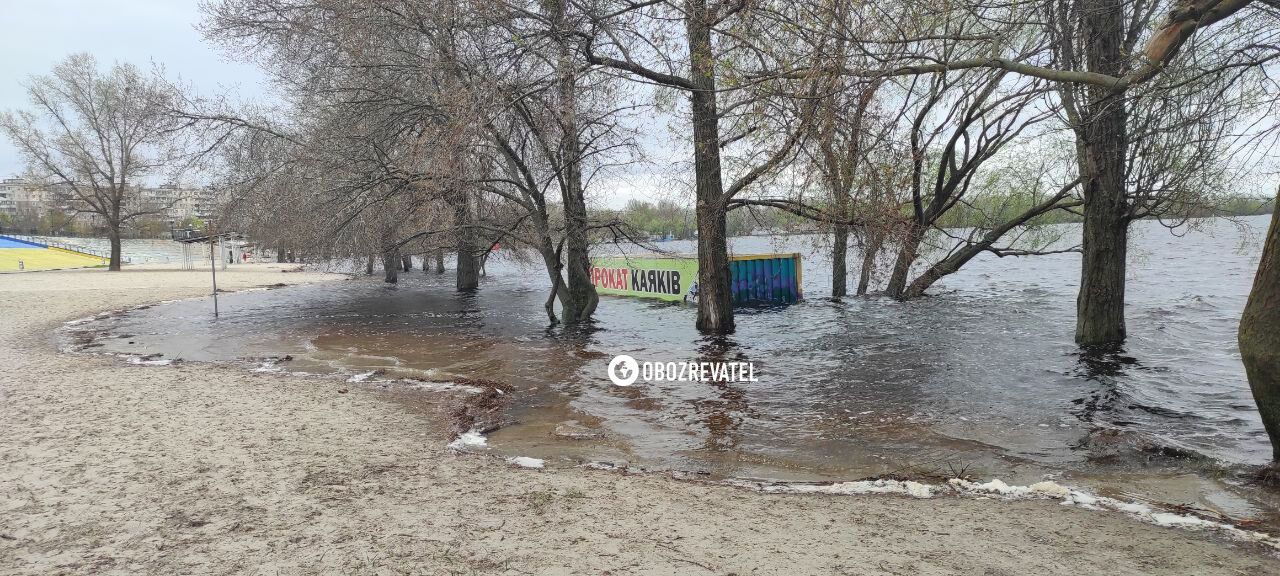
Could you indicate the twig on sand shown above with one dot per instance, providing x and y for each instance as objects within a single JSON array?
[{"x": 682, "y": 557}]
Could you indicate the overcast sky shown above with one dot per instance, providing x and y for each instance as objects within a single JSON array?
[{"x": 36, "y": 34}]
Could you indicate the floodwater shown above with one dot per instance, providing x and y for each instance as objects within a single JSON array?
[{"x": 980, "y": 379}]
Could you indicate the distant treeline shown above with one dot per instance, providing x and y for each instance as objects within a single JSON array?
[
  {"x": 995, "y": 208},
  {"x": 666, "y": 218}
]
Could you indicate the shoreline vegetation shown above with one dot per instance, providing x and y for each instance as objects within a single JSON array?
[
  {"x": 111, "y": 467},
  {"x": 669, "y": 220}
]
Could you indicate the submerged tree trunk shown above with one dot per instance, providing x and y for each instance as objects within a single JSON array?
[
  {"x": 468, "y": 257},
  {"x": 391, "y": 266},
  {"x": 839, "y": 259},
  {"x": 907, "y": 255},
  {"x": 580, "y": 298},
  {"x": 715, "y": 301},
  {"x": 874, "y": 241},
  {"x": 558, "y": 290},
  {"x": 439, "y": 260},
  {"x": 1100, "y": 304},
  {"x": 1260, "y": 336}
]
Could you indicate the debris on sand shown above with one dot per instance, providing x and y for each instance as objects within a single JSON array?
[
  {"x": 150, "y": 360},
  {"x": 481, "y": 411},
  {"x": 469, "y": 439}
]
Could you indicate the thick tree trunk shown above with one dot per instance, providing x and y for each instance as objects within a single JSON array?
[
  {"x": 1260, "y": 336},
  {"x": 468, "y": 277},
  {"x": 408, "y": 262},
  {"x": 874, "y": 241},
  {"x": 368, "y": 265},
  {"x": 839, "y": 259},
  {"x": 439, "y": 260},
  {"x": 1100, "y": 304},
  {"x": 391, "y": 266},
  {"x": 715, "y": 300},
  {"x": 280, "y": 256}
]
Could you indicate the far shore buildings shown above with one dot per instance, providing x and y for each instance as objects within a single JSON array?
[{"x": 23, "y": 198}]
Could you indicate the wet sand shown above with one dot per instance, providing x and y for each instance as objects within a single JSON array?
[{"x": 108, "y": 468}]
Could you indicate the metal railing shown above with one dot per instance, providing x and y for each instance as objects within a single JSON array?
[{"x": 63, "y": 245}]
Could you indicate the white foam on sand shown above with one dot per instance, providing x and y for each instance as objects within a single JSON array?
[
  {"x": 147, "y": 361},
  {"x": 526, "y": 462},
  {"x": 1047, "y": 490},
  {"x": 469, "y": 439},
  {"x": 440, "y": 386},
  {"x": 1137, "y": 510},
  {"x": 268, "y": 366},
  {"x": 1044, "y": 489},
  {"x": 908, "y": 488}
]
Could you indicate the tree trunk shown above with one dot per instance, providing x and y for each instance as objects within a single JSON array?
[
  {"x": 368, "y": 265},
  {"x": 468, "y": 259},
  {"x": 391, "y": 266},
  {"x": 1260, "y": 336},
  {"x": 907, "y": 255},
  {"x": 1104, "y": 146},
  {"x": 558, "y": 290},
  {"x": 280, "y": 256},
  {"x": 715, "y": 300},
  {"x": 839, "y": 257},
  {"x": 581, "y": 294},
  {"x": 408, "y": 263},
  {"x": 874, "y": 241},
  {"x": 439, "y": 260},
  {"x": 113, "y": 234}
]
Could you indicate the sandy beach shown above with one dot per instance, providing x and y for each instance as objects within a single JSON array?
[{"x": 111, "y": 468}]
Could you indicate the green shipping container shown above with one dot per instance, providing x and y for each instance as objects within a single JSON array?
[{"x": 754, "y": 278}]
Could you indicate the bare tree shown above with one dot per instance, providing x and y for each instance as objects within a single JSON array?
[{"x": 100, "y": 137}]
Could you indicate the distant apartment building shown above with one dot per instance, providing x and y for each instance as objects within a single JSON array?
[
  {"x": 18, "y": 196},
  {"x": 7, "y": 190},
  {"x": 169, "y": 202}
]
